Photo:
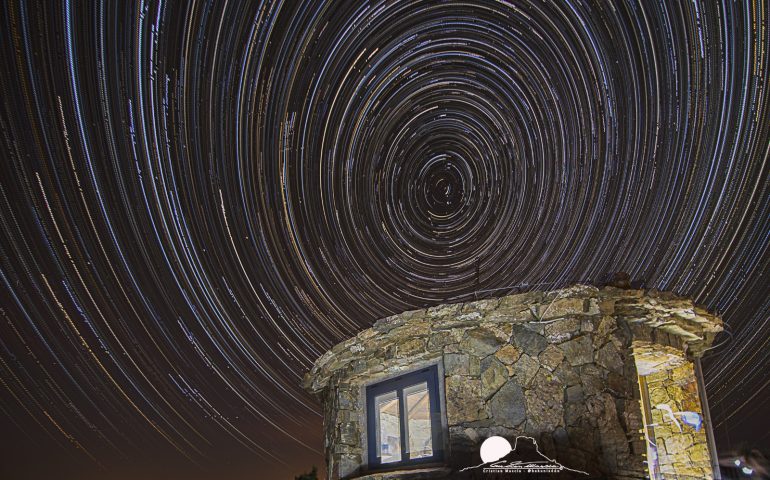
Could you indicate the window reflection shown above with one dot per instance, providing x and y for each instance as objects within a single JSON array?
[
  {"x": 418, "y": 420},
  {"x": 388, "y": 427}
]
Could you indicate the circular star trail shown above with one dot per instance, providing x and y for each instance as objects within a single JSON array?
[{"x": 198, "y": 199}]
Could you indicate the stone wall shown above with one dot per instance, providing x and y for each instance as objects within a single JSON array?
[{"x": 556, "y": 366}]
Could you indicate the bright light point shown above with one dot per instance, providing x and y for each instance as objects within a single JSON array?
[
  {"x": 737, "y": 462},
  {"x": 747, "y": 470},
  {"x": 494, "y": 448}
]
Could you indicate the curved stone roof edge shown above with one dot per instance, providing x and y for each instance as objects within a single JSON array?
[{"x": 666, "y": 311}]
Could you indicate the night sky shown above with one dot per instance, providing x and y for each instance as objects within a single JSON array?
[{"x": 197, "y": 199}]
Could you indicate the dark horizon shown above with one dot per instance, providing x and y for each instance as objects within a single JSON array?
[{"x": 197, "y": 201}]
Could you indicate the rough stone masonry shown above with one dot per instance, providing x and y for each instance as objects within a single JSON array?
[{"x": 558, "y": 366}]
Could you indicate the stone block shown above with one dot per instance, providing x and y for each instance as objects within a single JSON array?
[
  {"x": 606, "y": 326},
  {"x": 508, "y": 354},
  {"x": 551, "y": 357},
  {"x": 587, "y": 325},
  {"x": 441, "y": 339},
  {"x": 493, "y": 376},
  {"x": 461, "y": 321},
  {"x": 578, "y": 351},
  {"x": 480, "y": 342},
  {"x": 510, "y": 315},
  {"x": 561, "y": 330},
  {"x": 609, "y": 357},
  {"x": 525, "y": 369},
  {"x": 349, "y": 433},
  {"x": 561, "y": 307},
  {"x": 457, "y": 364},
  {"x": 410, "y": 347},
  {"x": 348, "y": 464},
  {"x": 528, "y": 341},
  {"x": 567, "y": 374},
  {"x": 443, "y": 310},
  {"x": 481, "y": 306},
  {"x": 545, "y": 406},
  {"x": 574, "y": 394},
  {"x": 463, "y": 400},
  {"x": 592, "y": 379},
  {"x": 508, "y": 406}
]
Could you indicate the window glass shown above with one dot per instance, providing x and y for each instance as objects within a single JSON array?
[
  {"x": 388, "y": 427},
  {"x": 418, "y": 421},
  {"x": 403, "y": 422}
]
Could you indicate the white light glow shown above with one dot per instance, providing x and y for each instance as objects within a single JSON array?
[{"x": 494, "y": 448}]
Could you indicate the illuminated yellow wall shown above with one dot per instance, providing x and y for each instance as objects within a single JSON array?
[{"x": 669, "y": 379}]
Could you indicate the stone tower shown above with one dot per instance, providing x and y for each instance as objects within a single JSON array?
[{"x": 595, "y": 383}]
